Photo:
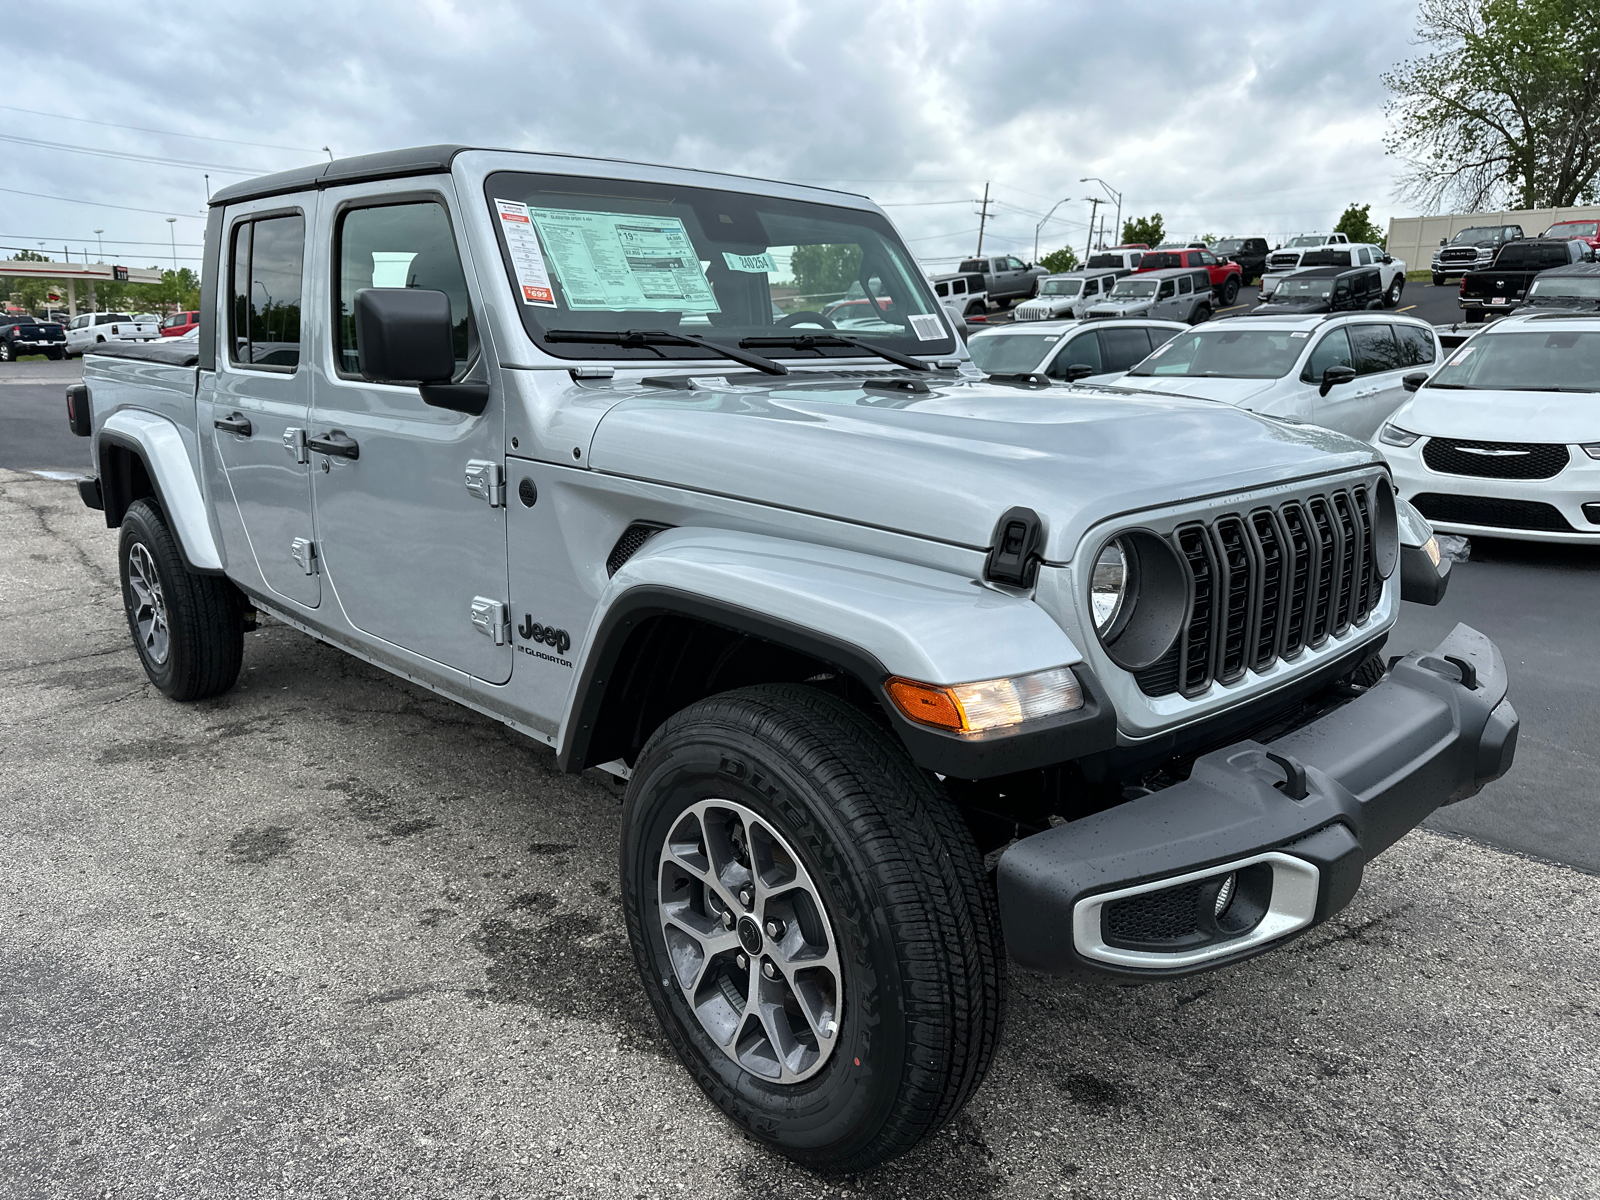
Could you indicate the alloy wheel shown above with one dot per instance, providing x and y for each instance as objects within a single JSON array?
[
  {"x": 748, "y": 941},
  {"x": 149, "y": 605}
]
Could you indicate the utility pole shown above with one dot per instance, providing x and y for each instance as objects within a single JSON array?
[
  {"x": 983, "y": 218},
  {"x": 1096, "y": 202}
]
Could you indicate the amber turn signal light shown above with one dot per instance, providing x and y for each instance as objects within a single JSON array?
[{"x": 990, "y": 704}]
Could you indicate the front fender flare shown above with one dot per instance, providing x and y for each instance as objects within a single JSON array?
[
  {"x": 159, "y": 445},
  {"x": 872, "y": 617}
]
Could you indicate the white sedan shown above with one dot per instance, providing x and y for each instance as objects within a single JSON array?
[
  {"x": 1068, "y": 351},
  {"x": 1503, "y": 440}
]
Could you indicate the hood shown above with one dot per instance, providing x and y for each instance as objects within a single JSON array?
[
  {"x": 1290, "y": 308},
  {"x": 1547, "y": 417},
  {"x": 946, "y": 464},
  {"x": 1123, "y": 307},
  {"x": 1229, "y": 391},
  {"x": 1046, "y": 305}
]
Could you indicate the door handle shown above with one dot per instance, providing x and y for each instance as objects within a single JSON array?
[
  {"x": 234, "y": 423},
  {"x": 336, "y": 442}
]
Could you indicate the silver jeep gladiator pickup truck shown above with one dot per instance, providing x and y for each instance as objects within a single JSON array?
[{"x": 906, "y": 671}]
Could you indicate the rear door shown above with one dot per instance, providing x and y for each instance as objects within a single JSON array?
[
  {"x": 1380, "y": 367},
  {"x": 1122, "y": 346},
  {"x": 261, "y": 398},
  {"x": 412, "y": 554}
]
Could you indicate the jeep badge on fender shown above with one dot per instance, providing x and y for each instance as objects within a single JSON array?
[{"x": 558, "y": 639}]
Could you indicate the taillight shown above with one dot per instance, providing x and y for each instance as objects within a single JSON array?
[{"x": 1462, "y": 286}]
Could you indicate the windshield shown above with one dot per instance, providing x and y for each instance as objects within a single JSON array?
[
  {"x": 1229, "y": 246},
  {"x": 1010, "y": 353},
  {"x": 1586, "y": 288},
  {"x": 1309, "y": 239},
  {"x": 612, "y": 255},
  {"x": 1525, "y": 362},
  {"x": 1476, "y": 237},
  {"x": 1060, "y": 287},
  {"x": 1574, "y": 229},
  {"x": 1226, "y": 353},
  {"x": 1294, "y": 288},
  {"x": 1134, "y": 289}
]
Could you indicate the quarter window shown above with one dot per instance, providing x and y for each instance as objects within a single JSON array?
[
  {"x": 1185, "y": 286},
  {"x": 398, "y": 246},
  {"x": 264, "y": 295}
]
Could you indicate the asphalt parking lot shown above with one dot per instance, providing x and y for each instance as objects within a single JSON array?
[{"x": 328, "y": 935}]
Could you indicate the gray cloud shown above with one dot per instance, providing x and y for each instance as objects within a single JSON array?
[{"x": 1250, "y": 117}]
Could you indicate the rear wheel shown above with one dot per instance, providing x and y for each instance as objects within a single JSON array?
[
  {"x": 7, "y": 353},
  {"x": 1230, "y": 290},
  {"x": 812, "y": 924},
  {"x": 1200, "y": 315},
  {"x": 1473, "y": 316},
  {"x": 187, "y": 628}
]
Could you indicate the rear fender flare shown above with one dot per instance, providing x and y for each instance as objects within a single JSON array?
[{"x": 158, "y": 444}]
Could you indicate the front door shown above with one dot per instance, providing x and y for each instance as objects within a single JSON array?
[
  {"x": 414, "y": 557},
  {"x": 262, "y": 400}
]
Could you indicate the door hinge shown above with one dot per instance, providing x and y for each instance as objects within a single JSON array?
[
  {"x": 492, "y": 619},
  {"x": 304, "y": 552},
  {"x": 487, "y": 481},
  {"x": 294, "y": 441}
]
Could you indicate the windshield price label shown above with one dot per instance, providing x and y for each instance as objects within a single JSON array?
[
  {"x": 626, "y": 262},
  {"x": 533, "y": 279}
]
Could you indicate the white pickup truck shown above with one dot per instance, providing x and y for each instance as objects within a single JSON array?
[{"x": 92, "y": 329}]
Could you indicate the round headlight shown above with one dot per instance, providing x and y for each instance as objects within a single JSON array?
[{"x": 1108, "y": 585}]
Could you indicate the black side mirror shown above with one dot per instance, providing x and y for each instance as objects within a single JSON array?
[
  {"x": 1334, "y": 376},
  {"x": 1414, "y": 380},
  {"x": 1387, "y": 259},
  {"x": 1078, "y": 371},
  {"x": 404, "y": 335},
  {"x": 1444, "y": 241}
]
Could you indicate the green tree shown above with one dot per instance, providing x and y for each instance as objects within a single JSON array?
[
  {"x": 1148, "y": 230},
  {"x": 1504, "y": 108},
  {"x": 1358, "y": 227},
  {"x": 825, "y": 272},
  {"x": 1059, "y": 260},
  {"x": 29, "y": 256}
]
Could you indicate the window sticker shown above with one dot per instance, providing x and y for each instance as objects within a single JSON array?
[
  {"x": 1304, "y": 333},
  {"x": 1461, "y": 355},
  {"x": 1160, "y": 350},
  {"x": 926, "y": 326},
  {"x": 754, "y": 264},
  {"x": 624, "y": 261},
  {"x": 533, "y": 280}
]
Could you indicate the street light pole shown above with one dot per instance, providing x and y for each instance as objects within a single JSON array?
[
  {"x": 101, "y": 244},
  {"x": 1040, "y": 226},
  {"x": 1113, "y": 193},
  {"x": 172, "y": 228}
]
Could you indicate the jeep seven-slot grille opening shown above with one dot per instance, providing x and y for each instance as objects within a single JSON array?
[{"x": 1267, "y": 586}]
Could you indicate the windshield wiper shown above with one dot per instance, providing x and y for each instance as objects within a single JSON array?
[
  {"x": 663, "y": 337},
  {"x": 1454, "y": 387},
  {"x": 810, "y": 341}
]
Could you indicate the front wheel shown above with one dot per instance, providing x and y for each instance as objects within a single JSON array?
[
  {"x": 1438, "y": 280},
  {"x": 187, "y": 628},
  {"x": 812, "y": 924},
  {"x": 1392, "y": 298}
]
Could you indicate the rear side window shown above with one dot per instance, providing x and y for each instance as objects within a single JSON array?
[
  {"x": 398, "y": 246},
  {"x": 1332, "y": 351},
  {"x": 974, "y": 264},
  {"x": 1375, "y": 348},
  {"x": 1185, "y": 286},
  {"x": 1083, "y": 351},
  {"x": 1416, "y": 346},
  {"x": 268, "y": 258},
  {"x": 1121, "y": 348}
]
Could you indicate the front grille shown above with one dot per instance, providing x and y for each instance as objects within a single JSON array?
[
  {"x": 1495, "y": 460},
  {"x": 1285, "y": 260},
  {"x": 1491, "y": 512},
  {"x": 1267, "y": 585},
  {"x": 1458, "y": 256}
]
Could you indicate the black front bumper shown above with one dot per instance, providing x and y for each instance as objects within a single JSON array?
[{"x": 1294, "y": 821}]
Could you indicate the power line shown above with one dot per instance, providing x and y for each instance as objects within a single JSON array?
[
  {"x": 58, "y": 262},
  {"x": 926, "y": 203},
  {"x": 112, "y": 241},
  {"x": 150, "y": 159},
  {"x": 159, "y": 212},
  {"x": 163, "y": 132}
]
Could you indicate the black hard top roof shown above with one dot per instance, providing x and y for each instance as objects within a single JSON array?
[{"x": 392, "y": 164}]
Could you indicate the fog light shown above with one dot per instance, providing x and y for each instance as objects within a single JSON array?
[
  {"x": 1225, "y": 895},
  {"x": 989, "y": 704}
]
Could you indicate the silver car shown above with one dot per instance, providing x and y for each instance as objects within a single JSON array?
[
  {"x": 1069, "y": 350},
  {"x": 1176, "y": 294},
  {"x": 1069, "y": 294}
]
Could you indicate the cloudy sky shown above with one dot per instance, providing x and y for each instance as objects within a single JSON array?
[{"x": 1241, "y": 118}]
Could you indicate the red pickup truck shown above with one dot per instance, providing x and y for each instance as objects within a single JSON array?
[{"x": 1226, "y": 277}]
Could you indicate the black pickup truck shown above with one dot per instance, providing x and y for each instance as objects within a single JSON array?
[
  {"x": 1500, "y": 287},
  {"x": 1249, "y": 252}
]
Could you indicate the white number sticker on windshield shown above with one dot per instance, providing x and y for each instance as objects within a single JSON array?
[
  {"x": 624, "y": 261},
  {"x": 754, "y": 264},
  {"x": 1462, "y": 356},
  {"x": 926, "y": 326},
  {"x": 533, "y": 280}
]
